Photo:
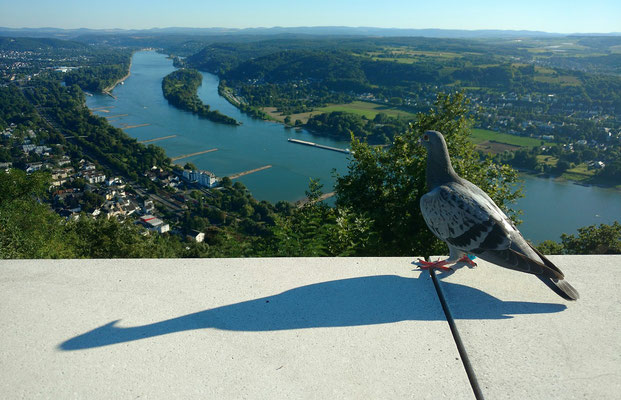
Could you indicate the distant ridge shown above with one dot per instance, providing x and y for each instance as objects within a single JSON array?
[{"x": 303, "y": 30}]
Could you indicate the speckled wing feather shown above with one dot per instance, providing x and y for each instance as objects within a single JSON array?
[{"x": 465, "y": 217}]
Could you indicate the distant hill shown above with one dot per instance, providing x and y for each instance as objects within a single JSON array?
[
  {"x": 312, "y": 30},
  {"x": 26, "y": 43}
]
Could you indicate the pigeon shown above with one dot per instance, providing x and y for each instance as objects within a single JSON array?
[{"x": 469, "y": 222}]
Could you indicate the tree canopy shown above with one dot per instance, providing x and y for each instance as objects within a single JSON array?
[{"x": 384, "y": 187}]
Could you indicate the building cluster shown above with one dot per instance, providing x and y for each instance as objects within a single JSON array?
[
  {"x": 23, "y": 65},
  {"x": 80, "y": 188},
  {"x": 539, "y": 115}
]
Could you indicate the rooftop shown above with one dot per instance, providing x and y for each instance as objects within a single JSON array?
[{"x": 306, "y": 328}]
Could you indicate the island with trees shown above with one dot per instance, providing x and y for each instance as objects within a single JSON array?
[{"x": 180, "y": 87}]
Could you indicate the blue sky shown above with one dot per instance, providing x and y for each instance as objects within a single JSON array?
[{"x": 601, "y": 16}]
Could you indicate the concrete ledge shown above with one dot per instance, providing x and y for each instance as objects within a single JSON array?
[
  {"x": 525, "y": 342},
  {"x": 221, "y": 328}
]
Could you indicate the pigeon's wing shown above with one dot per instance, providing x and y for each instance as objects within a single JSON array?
[{"x": 466, "y": 218}]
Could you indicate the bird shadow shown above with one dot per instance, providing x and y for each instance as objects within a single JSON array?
[{"x": 367, "y": 300}]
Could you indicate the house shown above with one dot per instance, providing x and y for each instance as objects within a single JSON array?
[
  {"x": 203, "y": 178},
  {"x": 196, "y": 236},
  {"x": 596, "y": 165},
  {"x": 86, "y": 166},
  {"x": 34, "y": 167},
  {"x": 154, "y": 224},
  {"x": 59, "y": 176},
  {"x": 147, "y": 207},
  {"x": 64, "y": 161},
  {"x": 93, "y": 176}
]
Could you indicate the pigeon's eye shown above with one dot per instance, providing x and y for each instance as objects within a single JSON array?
[{"x": 426, "y": 138}]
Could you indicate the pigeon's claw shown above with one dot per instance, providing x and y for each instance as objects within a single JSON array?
[
  {"x": 440, "y": 264},
  {"x": 468, "y": 260}
]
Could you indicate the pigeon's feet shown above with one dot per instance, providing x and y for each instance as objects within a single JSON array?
[
  {"x": 440, "y": 264},
  {"x": 468, "y": 260}
]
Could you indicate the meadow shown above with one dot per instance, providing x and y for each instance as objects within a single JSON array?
[
  {"x": 482, "y": 135},
  {"x": 367, "y": 109}
]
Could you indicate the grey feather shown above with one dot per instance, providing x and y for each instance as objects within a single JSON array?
[{"x": 467, "y": 219}]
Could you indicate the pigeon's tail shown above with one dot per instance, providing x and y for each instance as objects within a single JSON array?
[
  {"x": 561, "y": 287},
  {"x": 543, "y": 268}
]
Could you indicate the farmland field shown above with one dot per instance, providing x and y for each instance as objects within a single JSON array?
[
  {"x": 481, "y": 135},
  {"x": 367, "y": 109},
  {"x": 278, "y": 116},
  {"x": 495, "y": 147}
]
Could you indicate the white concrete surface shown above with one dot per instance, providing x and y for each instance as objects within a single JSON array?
[
  {"x": 525, "y": 342},
  {"x": 232, "y": 329}
]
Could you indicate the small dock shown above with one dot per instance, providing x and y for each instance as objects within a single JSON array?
[
  {"x": 192, "y": 154},
  {"x": 116, "y": 116},
  {"x": 320, "y": 146},
  {"x": 103, "y": 109},
  {"x": 157, "y": 139},
  {"x": 249, "y": 172},
  {"x": 323, "y": 197},
  {"x": 134, "y": 126}
]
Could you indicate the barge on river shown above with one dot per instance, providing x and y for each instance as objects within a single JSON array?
[{"x": 321, "y": 146}]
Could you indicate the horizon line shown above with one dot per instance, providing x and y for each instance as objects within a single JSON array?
[{"x": 311, "y": 27}]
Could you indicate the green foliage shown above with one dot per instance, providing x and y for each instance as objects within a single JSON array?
[
  {"x": 384, "y": 187},
  {"x": 180, "y": 87},
  {"x": 14, "y": 108},
  {"x": 306, "y": 231},
  {"x": 28, "y": 228},
  {"x": 97, "y": 78},
  {"x": 343, "y": 125},
  {"x": 602, "y": 239},
  {"x": 549, "y": 247},
  {"x": 109, "y": 238},
  {"x": 92, "y": 136}
]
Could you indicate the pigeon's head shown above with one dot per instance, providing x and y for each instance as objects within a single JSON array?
[
  {"x": 439, "y": 168},
  {"x": 433, "y": 142}
]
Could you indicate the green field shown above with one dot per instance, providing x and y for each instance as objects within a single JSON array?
[
  {"x": 547, "y": 160},
  {"x": 369, "y": 110},
  {"x": 482, "y": 135},
  {"x": 578, "y": 173},
  {"x": 551, "y": 76}
]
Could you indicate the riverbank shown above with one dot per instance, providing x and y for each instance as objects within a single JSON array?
[
  {"x": 227, "y": 93},
  {"x": 564, "y": 179},
  {"x": 110, "y": 88}
]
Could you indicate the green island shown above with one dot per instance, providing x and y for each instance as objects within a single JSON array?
[{"x": 179, "y": 88}]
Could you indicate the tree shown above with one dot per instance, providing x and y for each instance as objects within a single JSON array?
[
  {"x": 28, "y": 228},
  {"x": 602, "y": 239},
  {"x": 383, "y": 187},
  {"x": 562, "y": 166},
  {"x": 306, "y": 231}
]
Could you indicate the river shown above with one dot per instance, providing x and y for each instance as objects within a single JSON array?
[{"x": 550, "y": 207}]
